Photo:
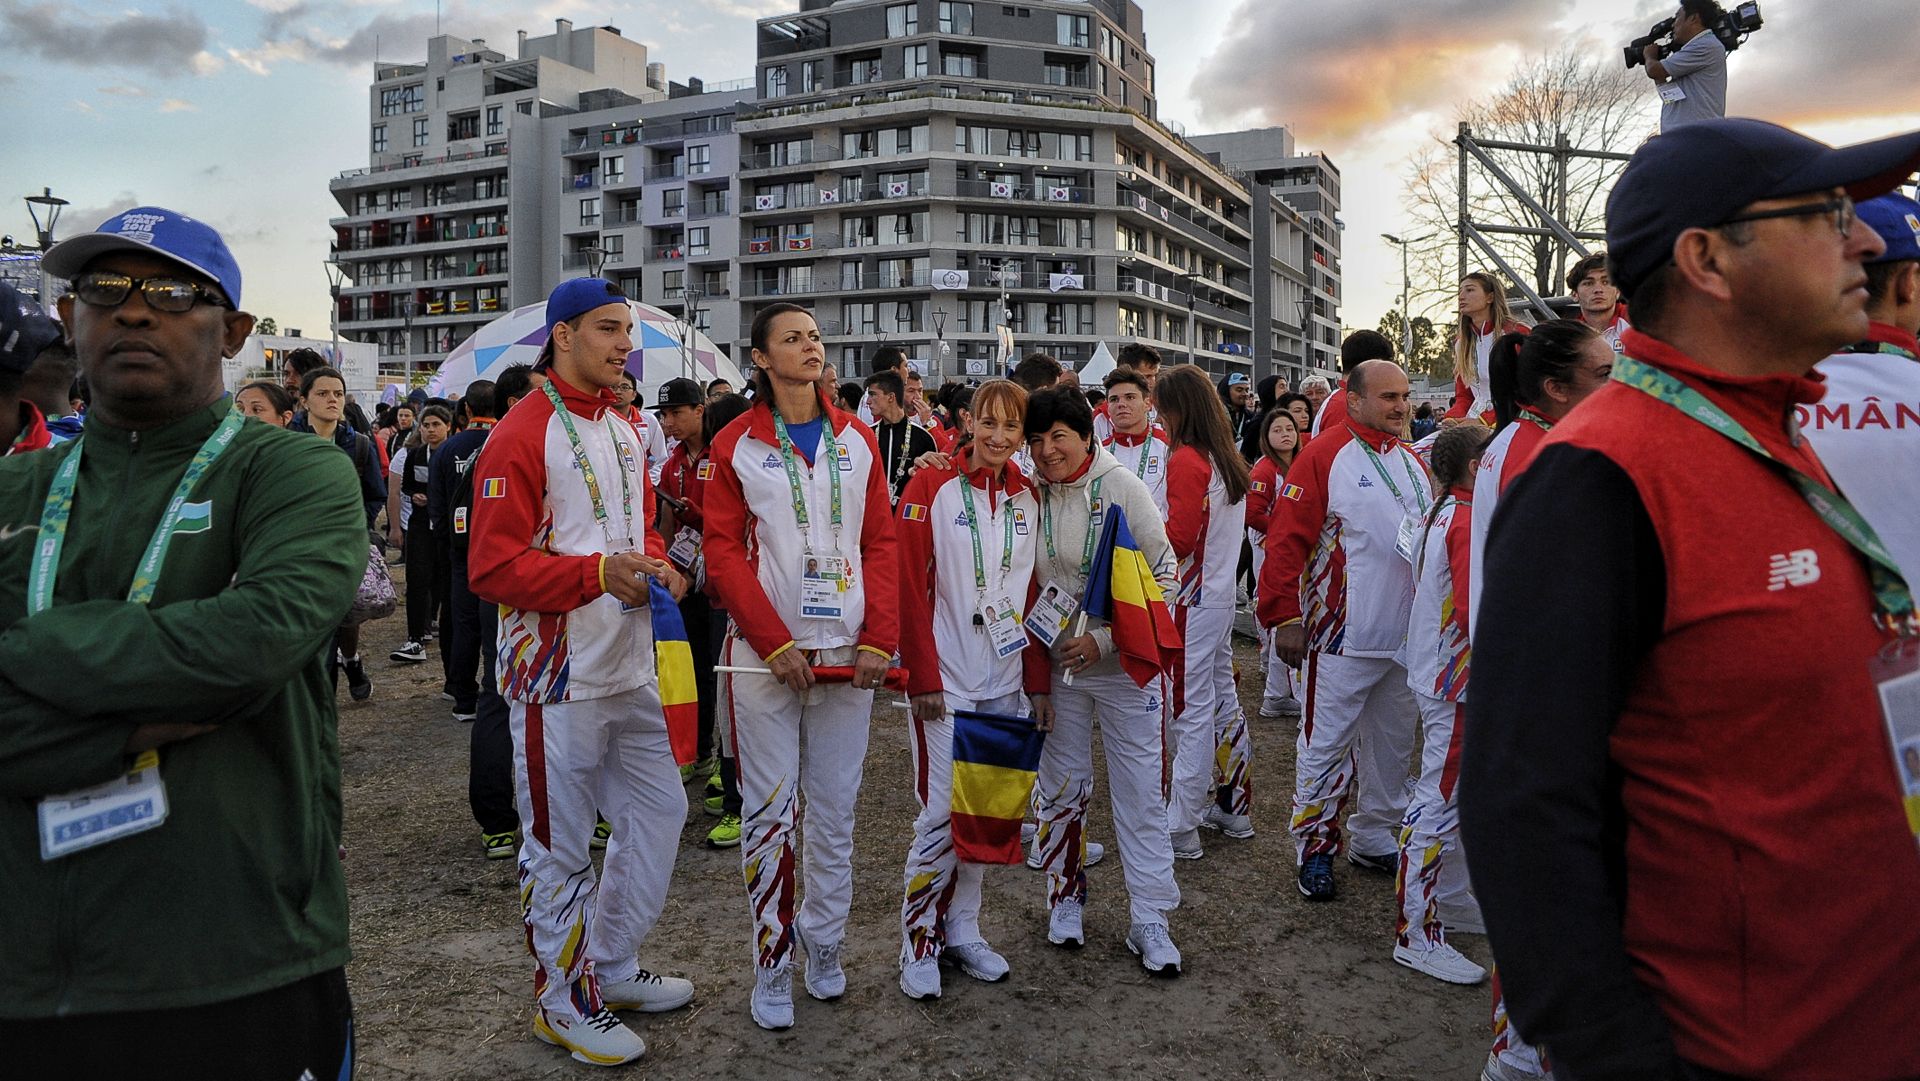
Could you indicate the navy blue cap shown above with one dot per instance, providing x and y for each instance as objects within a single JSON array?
[
  {"x": 168, "y": 234},
  {"x": 578, "y": 296},
  {"x": 1897, "y": 219},
  {"x": 1698, "y": 175},
  {"x": 24, "y": 330}
]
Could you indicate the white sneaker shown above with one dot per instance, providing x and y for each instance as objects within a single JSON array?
[
  {"x": 920, "y": 979},
  {"x": 647, "y": 993},
  {"x": 1157, "y": 952},
  {"x": 1440, "y": 961},
  {"x": 600, "y": 1040},
  {"x": 1287, "y": 706},
  {"x": 772, "y": 1002},
  {"x": 1186, "y": 845},
  {"x": 977, "y": 959},
  {"x": 1063, "y": 925},
  {"x": 1095, "y": 853},
  {"x": 825, "y": 979},
  {"x": 1497, "y": 1069},
  {"x": 1238, "y": 827},
  {"x": 1027, "y": 830}
]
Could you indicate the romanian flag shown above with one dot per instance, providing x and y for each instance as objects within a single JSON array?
[
  {"x": 1121, "y": 590},
  {"x": 673, "y": 664},
  {"x": 913, "y": 512},
  {"x": 995, "y": 760},
  {"x": 1293, "y": 492}
]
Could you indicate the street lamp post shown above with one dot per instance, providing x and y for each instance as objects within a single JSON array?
[
  {"x": 689, "y": 315},
  {"x": 336, "y": 277},
  {"x": 596, "y": 258},
  {"x": 1190, "y": 277},
  {"x": 1406, "y": 289},
  {"x": 50, "y": 204},
  {"x": 940, "y": 341},
  {"x": 406, "y": 342}
]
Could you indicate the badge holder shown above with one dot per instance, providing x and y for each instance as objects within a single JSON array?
[
  {"x": 823, "y": 585},
  {"x": 1004, "y": 627},
  {"x": 86, "y": 817},
  {"x": 1051, "y": 611},
  {"x": 1896, "y": 678}
]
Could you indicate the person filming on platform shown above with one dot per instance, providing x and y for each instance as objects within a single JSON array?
[{"x": 1692, "y": 80}]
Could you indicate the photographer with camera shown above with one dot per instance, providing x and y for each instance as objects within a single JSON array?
[{"x": 1692, "y": 77}]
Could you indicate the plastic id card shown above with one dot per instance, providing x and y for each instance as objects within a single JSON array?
[{"x": 86, "y": 817}]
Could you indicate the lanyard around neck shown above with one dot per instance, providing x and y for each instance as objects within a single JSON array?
[
  {"x": 829, "y": 451},
  {"x": 1413, "y": 480},
  {"x": 973, "y": 528},
  {"x": 1093, "y": 508},
  {"x": 1887, "y": 348},
  {"x": 1893, "y": 600},
  {"x": 58, "y": 511},
  {"x": 586, "y": 469}
]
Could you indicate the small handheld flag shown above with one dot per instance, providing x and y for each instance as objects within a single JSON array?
[
  {"x": 673, "y": 664},
  {"x": 1121, "y": 589},
  {"x": 995, "y": 761}
]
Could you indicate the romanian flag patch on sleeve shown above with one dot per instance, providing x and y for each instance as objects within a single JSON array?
[
  {"x": 493, "y": 488},
  {"x": 913, "y": 512},
  {"x": 1293, "y": 492},
  {"x": 1259, "y": 486}
]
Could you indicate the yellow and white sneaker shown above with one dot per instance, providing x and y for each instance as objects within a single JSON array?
[{"x": 600, "y": 1040}]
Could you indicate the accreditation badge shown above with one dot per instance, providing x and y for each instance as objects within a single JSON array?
[
  {"x": 1005, "y": 629},
  {"x": 87, "y": 817},
  {"x": 1050, "y": 612},
  {"x": 1896, "y": 676},
  {"x": 823, "y": 587},
  {"x": 1403, "y": 539}
]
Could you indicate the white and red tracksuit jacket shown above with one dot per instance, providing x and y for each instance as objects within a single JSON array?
[
  {"x": 1505, "y": 458},
  {"x": 536, "y": 549},
  {"x": 1438, "y": 653},
  {"x": 1204, "y": 529},
  {"x": 1146, "y": 455},
  {"x": 939, "y": 642},
  {"x": 1477, "y": 400},
  {"x": 756, "y": 552},
  {"x": 1331, "y": 560},
  {"x": 1612, "y": 332}
]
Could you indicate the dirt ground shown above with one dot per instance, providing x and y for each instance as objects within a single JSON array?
[{"x": 1273, "y": 987}]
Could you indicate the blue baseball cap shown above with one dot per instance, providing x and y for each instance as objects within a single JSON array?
[
  {"x": 578, "y": 296},
  {"x": 1897, "y": 219},
  {"x": 169, "y": 234},
  {"x": 1237, "y": 379},
  {"x": 24, "y": 330},
  {"x": 1698, "y": 175}
]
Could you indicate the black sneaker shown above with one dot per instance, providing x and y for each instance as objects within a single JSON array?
[
  {"x": 358, "y": 685},
  {"x": 410, "y": 652},
  {"x": 1316, "y": 877},
  {"x": 1387, "y": 864}
]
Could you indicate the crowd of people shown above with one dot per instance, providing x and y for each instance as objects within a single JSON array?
[{"x": 1663, "y": 541}]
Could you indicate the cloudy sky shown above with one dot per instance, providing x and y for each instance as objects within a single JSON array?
[{"x": 239, "y": 111}]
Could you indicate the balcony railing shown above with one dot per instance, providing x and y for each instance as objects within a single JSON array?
[
  {"x": 667, "y": 171},
  {"x": 579, "y": 182},
  {"x": 710, "y": 208},
  {"x": 579, "y": 260},
  {"x": 802, "y": 154}
]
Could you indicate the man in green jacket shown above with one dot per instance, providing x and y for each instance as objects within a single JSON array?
[{"x": 168, "y": 583}]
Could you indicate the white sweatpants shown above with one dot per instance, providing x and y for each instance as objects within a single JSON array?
[
  {"x": 786, "y": 746},
  {"x": 571, "y": 760},
  {"x": 941, "y": 905},
  {"x": 1508, "y": 1047},
  {"x": 1430, "y": 861},
  {"x": 1356, "y": 729},
  {"x": 1280, "y": 681},
  {"x": 1133, "y": 733},
  {"x": 1212, "y": 748}
]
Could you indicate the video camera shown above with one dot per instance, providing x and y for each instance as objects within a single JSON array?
[{"x": 1732, "y": 28}]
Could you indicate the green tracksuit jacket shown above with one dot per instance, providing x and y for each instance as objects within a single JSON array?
[{"x": 241, "y": 889}]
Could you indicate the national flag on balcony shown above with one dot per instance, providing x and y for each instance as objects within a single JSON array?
[
  {"x": 1000, "y": 190},
  {"x": 1059, "y": 195},
  {"x": 1164, "y": 215},
  {"x": 897, "y": 189},
  {"x": 1320, "y": 257},
  {"x": 760, "y": 246},
  {"x": 829, "y": 195},
  {"x": 950, "y": 279},
  {"x": 800, "y": 242},
  {"x": 1057, "y": 282},
  {"x": 765, "y": 202},
  {"x": 462, "y": 306},
  {"x": 996, "y": 759},
  {"x": 436, "y": 308}
]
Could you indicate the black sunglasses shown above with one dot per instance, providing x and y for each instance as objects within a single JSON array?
[{"x": 106, "y": 290}]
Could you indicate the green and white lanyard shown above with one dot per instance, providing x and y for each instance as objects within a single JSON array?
[
  {"x": 1093, "y": 507},
  {"x": 1887, "y": 348},
  {"x": 832, "y": 455},
  {"x": 586, "y": 470},
  {"x": 59, "y": 510},
  {"x": 973, "y": 528},
  {"x": 1892, "y": 598},
  {"x": 1535, "y": 419},
  {"x": 1413, "y": 479},
  {"x": 1146, "y": 449}
]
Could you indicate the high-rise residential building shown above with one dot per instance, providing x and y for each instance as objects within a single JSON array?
[
  {"x": 490, "y": 179},
  {"x": 912, "y": 166}
]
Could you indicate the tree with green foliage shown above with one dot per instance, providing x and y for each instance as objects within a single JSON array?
[{"x": 1432, "y": 353}]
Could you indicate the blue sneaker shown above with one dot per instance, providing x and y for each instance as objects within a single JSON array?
[{"x": 1316, "y": 877}]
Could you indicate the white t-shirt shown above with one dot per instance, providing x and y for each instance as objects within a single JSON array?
[
  {"x": 1698, "y": 87},
  {"x": 1866, "y": 431}
]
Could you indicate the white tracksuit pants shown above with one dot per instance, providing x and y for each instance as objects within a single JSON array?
[
  {"x": 573, "y": 759},
  {"x": 941, "y": 905},
  {"x": 1213, "y": 752},
  {"x": 1508, "y": 1047},
  {"x": 1280, "y": 682},
  {"x": 1431, "y": 868},
  {"x": 785, "y": 746},
  {"x": 1133, "y": 733},
  {"x": 1356, "y": 728}
]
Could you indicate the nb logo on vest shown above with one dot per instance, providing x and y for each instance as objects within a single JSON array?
[{"x": 1797, "y": 568}]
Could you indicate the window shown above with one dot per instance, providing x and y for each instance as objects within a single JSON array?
[
  {"x": 615, "y": 245},
  {"x": 463, "y": 127},
  {"x": 809, "y": 76},
  {"x": 524, "y": 108},
  {"x": 864, "y": 69},
  {"x": 402, "y": 99},
  {"x": 699, "y": 159},
  {"x": 1073, "y": 30},
  {"x": 673, "y": 284},
  {"x": 613, "y": 168},
  {"x": 400, "y": 199},
  {"x": 916, "y": 60},
  {"x": 673, "y": 202},
  {"x": 590, "y": 211},
  {"x": 496, "y": 150},
  {"x": 408, "y": 161},
  {"x": 495, "y": 125},
  {"x": 961, "y": 64},
  {"x": 903, "y": 20},
  {"x": 956, "y": 18},
  {"x": 774, "y": 83},
  {"x": 699, "y": 240},
  {"x": 379, "y": 138},
  {"x": 420, "y": 133},
  {"x": 490, "y": 187}
]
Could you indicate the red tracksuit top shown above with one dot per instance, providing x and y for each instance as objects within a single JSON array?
[
  {"x": 1771, "y": 880},
  {"x": 754, "y": 545}
]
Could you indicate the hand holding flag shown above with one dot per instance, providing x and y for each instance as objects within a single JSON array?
[{"x": 1121, "y": 589}]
